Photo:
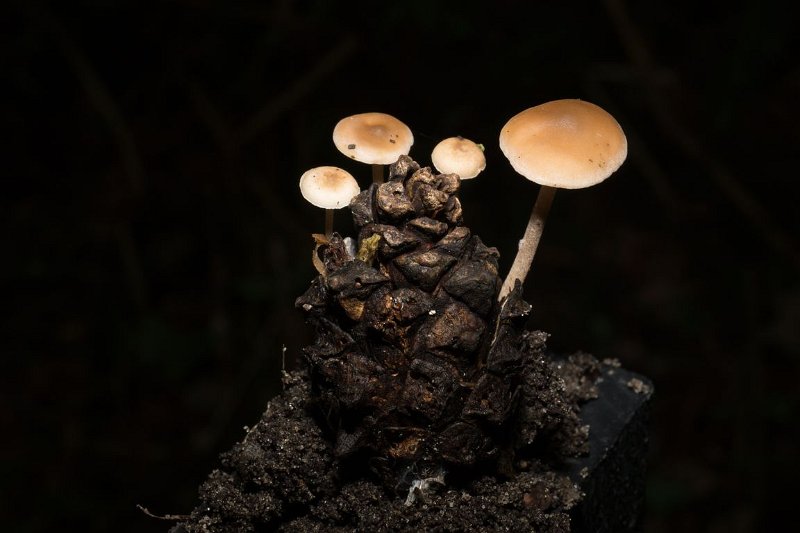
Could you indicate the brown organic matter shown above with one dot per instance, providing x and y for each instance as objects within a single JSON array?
[
  {"x": 285, "y": 476},
  {"x": 416, "y": 367}
]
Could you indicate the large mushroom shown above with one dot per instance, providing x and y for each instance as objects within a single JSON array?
[
  {"x": 374, "y": 138},
  {"x": 457, "y": 155},
  {"x": 566, "y": 144},
  {"x": 329, "y": 188}
]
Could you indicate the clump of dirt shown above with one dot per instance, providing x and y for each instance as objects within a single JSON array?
[{"x": 284, "y": 476}]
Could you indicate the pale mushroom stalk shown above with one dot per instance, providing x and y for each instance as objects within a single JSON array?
[
  {"x": 565, "y": 144},
  {"x": 329, "y": 188},
  {"x": 377, "y": 174},
  {"x": 328, "y": 222},
  {"x": 530, "y": 240}
]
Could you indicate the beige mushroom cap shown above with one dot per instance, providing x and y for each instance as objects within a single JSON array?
[
  {"x": 328, "y": 187},
  {"x": 458, "y": 155},
  {"x": 568, "y": 144},
  {"x": 374, "y": 138}
]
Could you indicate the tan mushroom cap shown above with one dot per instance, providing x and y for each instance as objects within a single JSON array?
[
  {"x": 458, "y": 155},
  {"x": 373, "y": 138},
  {"x": 568, "y": 144},
  {"x": 328, "y": 187}
]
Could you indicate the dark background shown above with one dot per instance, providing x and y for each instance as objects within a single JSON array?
[{"x": 154, "y": 238}]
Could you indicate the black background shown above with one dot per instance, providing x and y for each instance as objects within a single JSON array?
[{"x": 154, "y": 238}]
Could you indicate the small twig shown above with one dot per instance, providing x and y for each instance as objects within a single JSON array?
[
  {"x": 170, "y": 517},
  {"x": 103, "y": 102},
  {"x": 298, "y": 90},
  {"x": 99, "y": 96},
  {"x": 131, "y": 264},
  {"x": 213, "y": 119},
  {"x": 284, "y": 373}
]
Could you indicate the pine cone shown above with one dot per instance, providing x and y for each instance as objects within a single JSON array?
[{"x": 415, "y": 364}]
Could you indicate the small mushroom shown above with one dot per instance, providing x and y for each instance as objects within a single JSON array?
[
  {"x": 458, "y": 155},
  {"x": 329, "y": 188},
  {"x": 567, "y": 144},
  {"x": 373, "y": 138}
]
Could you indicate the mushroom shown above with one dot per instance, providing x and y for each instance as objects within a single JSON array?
[
  {"x": 458, "y": 155},
  {"x": 567, "y": 144},
  {"x": 329, "y": 188},
  {"x": 374, "y": 138}
]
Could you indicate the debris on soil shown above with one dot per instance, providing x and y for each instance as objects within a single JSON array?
[
  {"x": 283, "y": 476},
  {"x": 638, "y": 386}
]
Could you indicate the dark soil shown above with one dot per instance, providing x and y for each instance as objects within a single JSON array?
[{"x": 283, "y": 477}]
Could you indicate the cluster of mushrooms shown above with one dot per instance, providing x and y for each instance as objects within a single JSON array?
[
  {"x": 421, "y": 359},
  {"x": 562, "y": 144}
]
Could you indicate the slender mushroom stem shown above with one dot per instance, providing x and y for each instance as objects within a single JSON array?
[
  {"x": 328, "y": 222},
  {"x": 377, "y": 174},
  {"x": 530, "y": 240}
]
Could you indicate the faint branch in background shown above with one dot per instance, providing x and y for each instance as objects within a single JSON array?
[
  {"x": 651, "y": 171},
  {"x": 224, "y": 138},
  {"x": 301, "y": 87},
  {"x": 749, "y": 449},
  {"x": 103, "y": 102},
  {"x": 131, "y": 264},
  {"x": 220, "y": 192},
  {"x": 742, "y": 199},
  {"x": 213, "y": 119}
]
